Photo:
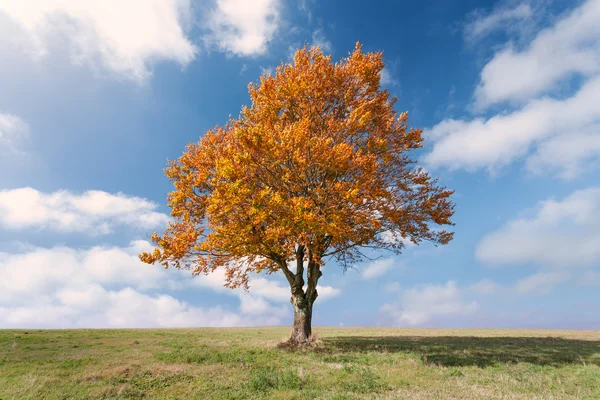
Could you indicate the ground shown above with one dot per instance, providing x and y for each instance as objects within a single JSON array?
[{"x": 348, "y": 363}]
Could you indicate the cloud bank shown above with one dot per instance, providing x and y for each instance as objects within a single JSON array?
[{"x": 93, "y": 212}]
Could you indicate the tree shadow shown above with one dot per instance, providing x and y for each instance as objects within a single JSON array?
[{"x": 474, "y": 351}]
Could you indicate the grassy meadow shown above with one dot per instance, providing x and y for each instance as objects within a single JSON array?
[{"x": 347, "y": 363}]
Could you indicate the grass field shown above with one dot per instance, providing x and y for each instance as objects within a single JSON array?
[{"x": 350, "y": 363}]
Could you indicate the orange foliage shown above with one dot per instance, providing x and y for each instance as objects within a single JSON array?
[{"x": 317, "y": 167}]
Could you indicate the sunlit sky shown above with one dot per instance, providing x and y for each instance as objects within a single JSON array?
[{"x": 95, "y": 96}]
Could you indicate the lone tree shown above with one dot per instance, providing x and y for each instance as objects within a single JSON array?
[{"x": 316, "y": 168}]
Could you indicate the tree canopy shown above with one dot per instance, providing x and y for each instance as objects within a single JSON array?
[{"x": 316, "y": 168}]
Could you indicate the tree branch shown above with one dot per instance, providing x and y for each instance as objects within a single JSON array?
[
  {"x": 313, "y": 275},
  {"x": 283, "y": 265}
]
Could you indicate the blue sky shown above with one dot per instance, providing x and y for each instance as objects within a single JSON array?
[{"x": 95, "y": 96}]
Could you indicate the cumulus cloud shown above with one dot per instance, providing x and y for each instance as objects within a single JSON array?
[
  {"x": 562, "y": 234},
  {"x": 93, "y": 212},
  {"x": 12, "y": 131},
  {"x": 255, "y": 305},
  {"x": 327, "y": 292},
  {"x": 568, "y": 156},
  {"x": 125, "y": 308},
  {"x": 427, "y": 303},
  {"x": 377, "y": 268},
  {"x": 241, "y": 27},
  {"x": 107, "y": 286},
  {"x": 546, "y": 123},
  {"x": 558, "y": 134},
  {"x": 100, "y": 287},
  {"x": 269, "y": 289},
  {"x": 45, "y": 271},
  {"x": 126, "y": 36},
  {"x": 570, "y": 46}
]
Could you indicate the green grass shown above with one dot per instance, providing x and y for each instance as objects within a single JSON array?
[{"x": 350, "y": 363}]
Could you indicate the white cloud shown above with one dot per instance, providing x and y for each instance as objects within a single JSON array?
[
  {"x": 264, "y": 288},
  {"x": 242, "y": 27},
  {"x": 126, "y": 308},
  {"x": 126, "y": 36},
  {"x": 541, "y": 282},
  {"x": 558, "y": 135},
  {"x": 44, "y": 271},
  {"x": 255, "y": 305},
  {"x": 250, "y": 304},
  {"x": 267, "y": 70},
  {"x": 485, "y": 287},
  {"x": 387, "y": 79},
  {"x": 567, "y": 155},
  {"x": 498, "y": 141},
  {"x": 393, "y": 237},
  {"x": 377, "y": 268},
  {"x": 327, "y": 292},
  {"x": 562, "y": 234},
  {"x": 571, "y": 46},
  {"x": 269, "y": 289},
  {"x": 319, "y": 39},
  {"x": 500, "y": 18},
  {"x": 109, "y": 286},
  {"x": 426, "y": 303},
  {"x": 93, "y": 212},
  {"x": 303, "y": 6},
  {"x": 12, "y": 130}
]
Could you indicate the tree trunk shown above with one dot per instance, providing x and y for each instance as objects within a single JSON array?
[
  {"x": 302, "y": 301},
  {"x": 302, "y": 328}
]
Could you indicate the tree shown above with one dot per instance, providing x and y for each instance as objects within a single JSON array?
[{"x": 317, "y": 168}]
